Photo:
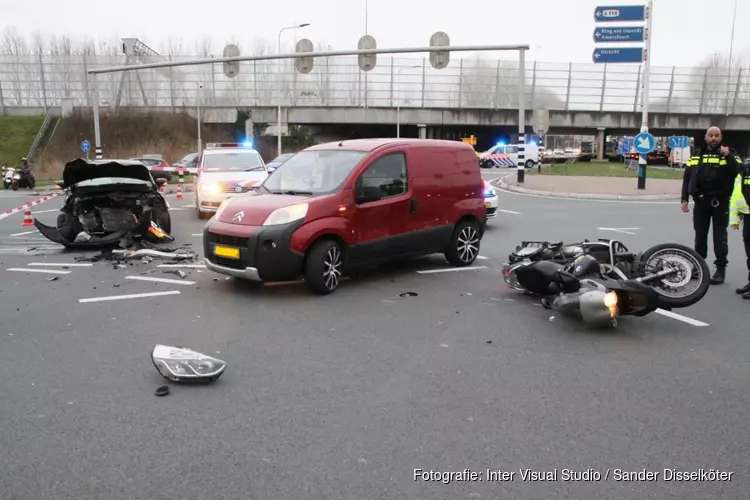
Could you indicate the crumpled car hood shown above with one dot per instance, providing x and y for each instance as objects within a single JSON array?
[{"x": 80, "y": 170}]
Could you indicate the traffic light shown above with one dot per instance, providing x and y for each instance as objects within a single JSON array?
[{"x": 470, "y": 140}]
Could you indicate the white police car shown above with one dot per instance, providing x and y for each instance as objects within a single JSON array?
[
  {"x": 226, "y": 170},
  {"x": 491, "y": 201}
]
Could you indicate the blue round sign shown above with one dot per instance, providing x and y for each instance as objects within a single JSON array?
[
  {"x": 85, "y": 146},
  {"x": 644, "y": 143}
]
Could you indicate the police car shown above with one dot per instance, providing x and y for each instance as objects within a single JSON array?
[
  {"x": 506, "y": 155},
  {"x": 226, "y": 170},
  {"x": 491, "y": 200}
]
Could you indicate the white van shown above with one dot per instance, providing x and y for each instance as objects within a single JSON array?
[{"x": 506, "y": 155}]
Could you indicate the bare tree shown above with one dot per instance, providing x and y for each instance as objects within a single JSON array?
[{"x": 15, "y": 58}]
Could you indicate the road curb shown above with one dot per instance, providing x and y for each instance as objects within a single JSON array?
[{"x": 584, "y": 196}]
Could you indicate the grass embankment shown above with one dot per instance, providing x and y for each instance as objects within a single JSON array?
[
  {"x": 127, "y": 135},
  {"x": 16, "y": 135},
  {"x": 596, "y": 169}
]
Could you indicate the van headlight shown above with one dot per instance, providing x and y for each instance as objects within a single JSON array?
[
  {"x": 210, "y": 187},
  {"x": 285, "y": 215}
]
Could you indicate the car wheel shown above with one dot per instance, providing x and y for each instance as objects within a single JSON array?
[
  {"x": 68, "y": 226},
  {"x": 164, "y": 221},
  {"x": 464, "y": 246},
  {"x": 324, "y": 267}
]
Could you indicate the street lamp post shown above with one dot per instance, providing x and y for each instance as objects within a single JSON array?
[
  {"x": 278, "y": 111},
  {"x": 731, "y": 54},
  {"x": 198, "y": 113},
  {"x": 398, "y": 99}
]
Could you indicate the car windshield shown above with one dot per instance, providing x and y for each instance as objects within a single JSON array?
[
  {"x": 314, "y": 172},
  {"x": 233, "y": 161},
  {"x": 189, "y": 158}
]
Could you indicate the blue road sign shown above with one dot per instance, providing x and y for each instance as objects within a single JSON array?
[
  {"x": 679, "y": 142},
  {"x": 85, "y": 146},
  {"x": 620, "y": 34},
  {"x": 621, "y": 13},
  {"x": 625, "y": 146},
  {"x": 618, "y": 55},
  {"x": 644, "y": 143}
]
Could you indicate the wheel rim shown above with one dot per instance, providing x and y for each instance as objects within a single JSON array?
[
  {"x": 332, "y": 268},
  {"x": 468, "y": 244},
  {"x": 685, "y": 281}
]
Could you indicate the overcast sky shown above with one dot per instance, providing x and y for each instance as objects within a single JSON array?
[{"x": 685, "y": 31}]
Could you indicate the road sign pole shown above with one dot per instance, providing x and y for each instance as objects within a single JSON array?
[
  {"x": 97, "y": 132},
  {"x": 521, "y": 116},
  {"x": 643, "y": 159}
]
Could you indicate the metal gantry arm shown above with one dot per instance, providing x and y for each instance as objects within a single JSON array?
[{"x": 136, "y": 50}]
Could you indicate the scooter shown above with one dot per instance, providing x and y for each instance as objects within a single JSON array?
[
  {"x": 23, "y": 179},
  {"x": 7, "y": 176}
]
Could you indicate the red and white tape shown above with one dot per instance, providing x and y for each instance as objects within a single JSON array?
[{"x": 28, "y": 205}]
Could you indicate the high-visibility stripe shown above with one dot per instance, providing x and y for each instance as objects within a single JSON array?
[
  {"x": 708, "y": 159},
  {"x": 747, "y": 181}
]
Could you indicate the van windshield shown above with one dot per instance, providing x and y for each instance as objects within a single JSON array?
[{"x": 314, "y": 172}]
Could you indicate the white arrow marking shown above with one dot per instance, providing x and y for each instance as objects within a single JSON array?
[
  {"x": 598, "y": 13},
  {"x": 644, "y": 142},
  {"x": 597, "y": 55},
  {"x": 624, "y": 230}
]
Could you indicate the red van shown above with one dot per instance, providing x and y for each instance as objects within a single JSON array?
[{"x": 342, "y": 205}]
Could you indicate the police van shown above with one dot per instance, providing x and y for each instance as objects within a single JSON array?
[{"x": 506, "y": 155}]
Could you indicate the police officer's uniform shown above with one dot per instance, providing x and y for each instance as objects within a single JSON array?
[
  {"x": 709, "y": 180},
  {"x": 739, "y": 212}
]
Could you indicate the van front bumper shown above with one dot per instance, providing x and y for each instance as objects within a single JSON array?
[{"x": 265, "y": 253}]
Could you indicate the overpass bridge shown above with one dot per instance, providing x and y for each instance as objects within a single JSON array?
[{"x": 472, "y": 92}]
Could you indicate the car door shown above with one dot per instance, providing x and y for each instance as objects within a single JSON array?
[
  {"x": 512, "y": 152},
  {"x": 383, "y": 206}
]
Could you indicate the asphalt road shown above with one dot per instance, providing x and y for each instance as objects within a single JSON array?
[{"x": 345, "y": 396}]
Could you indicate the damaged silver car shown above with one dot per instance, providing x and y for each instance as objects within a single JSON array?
[{"x": 106, "y": 201}]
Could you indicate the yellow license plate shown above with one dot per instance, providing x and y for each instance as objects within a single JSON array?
[
  {"x": 486, "y": 204},
  {"x": 227, "y": 252}
]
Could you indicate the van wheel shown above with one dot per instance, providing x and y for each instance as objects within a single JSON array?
[
  {"x": 464, "y": 246},
  {"x": 323, "y": 267},
  {"x": 529, "y": 164}
]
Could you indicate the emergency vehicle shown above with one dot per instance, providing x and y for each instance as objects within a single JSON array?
[
  {"x": 506, "y": 155},
  {"x": 226, "y": 170}
]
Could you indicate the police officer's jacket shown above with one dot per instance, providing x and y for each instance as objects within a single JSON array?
[
  {"x": 709, "y": 174},
  {"x": 740, "y": 202}
]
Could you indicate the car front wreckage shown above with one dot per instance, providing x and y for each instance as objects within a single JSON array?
[{"x": 108, "y": 201}]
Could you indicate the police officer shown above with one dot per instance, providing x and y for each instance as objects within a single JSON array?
[
  {"x": 709, "y": 180},
  {"x": 739, "y": 214}
]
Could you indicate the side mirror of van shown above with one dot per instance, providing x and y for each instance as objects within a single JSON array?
[
  {"x": 361, "y": 195},
  {"x": 161, "y": 181}
]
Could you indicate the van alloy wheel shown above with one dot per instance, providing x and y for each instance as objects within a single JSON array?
[
  {"x": 468, "y": 244},
  {"x": 332, "y": 268}
]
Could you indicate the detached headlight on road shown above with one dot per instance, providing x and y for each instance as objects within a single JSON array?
[
  {"x": 285, "y": 215},
  {"x": 210, "y": 187},
  {"x": 183, "y": 365}
]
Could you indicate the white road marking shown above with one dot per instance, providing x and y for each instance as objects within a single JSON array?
[
  {"x": 645, "y": 202},
  {"x": 451, "y": 269},
  {"x": 129, "y": 296},
  {"x": 192, "y": 266},
  {"x": 160, "y": 280},
  {"x": 680, "y": 317},
  {"x": 61, "y": 264},
  {"x": 25, "y": 232},
  {"x": 508, "y": 211},
  {"x": 176, "y": 208},
  {"x": 45, "y": 211},
  {"x": 197, "y": 234},
  {"x": 623, "y": 230},
  {"x": 188, "y": 206},
  {"x": 482, "y": 257},
  {"x": 45, "y": 271}
]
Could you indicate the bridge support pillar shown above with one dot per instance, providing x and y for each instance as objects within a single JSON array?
[
  {"x": 422, "y": 131},
  {"x": 600, "y": 144}
]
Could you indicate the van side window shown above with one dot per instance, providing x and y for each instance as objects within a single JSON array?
[
  {"x": 384, "y": 178},
  {"x": 511, "y": 150}
]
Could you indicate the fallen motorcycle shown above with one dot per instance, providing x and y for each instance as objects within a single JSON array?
[{"x": 602, "y": 280}]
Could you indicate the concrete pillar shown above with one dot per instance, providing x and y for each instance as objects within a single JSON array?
[
  {"x": 600, "y": 144},
  {"x": 422, "y": 131}
]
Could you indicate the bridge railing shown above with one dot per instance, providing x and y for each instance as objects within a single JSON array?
[{"x": 469, "y": 82}]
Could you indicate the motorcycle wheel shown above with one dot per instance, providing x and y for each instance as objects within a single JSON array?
[
  {"x": 14, "y": 185},
  {"x": 671, "y": 289},
  {"x": 32, "y": 184}
]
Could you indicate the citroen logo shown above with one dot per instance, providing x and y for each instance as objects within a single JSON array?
[
  {"x": 238, "y": 216},
  {"x": 238, "y": 189}
]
